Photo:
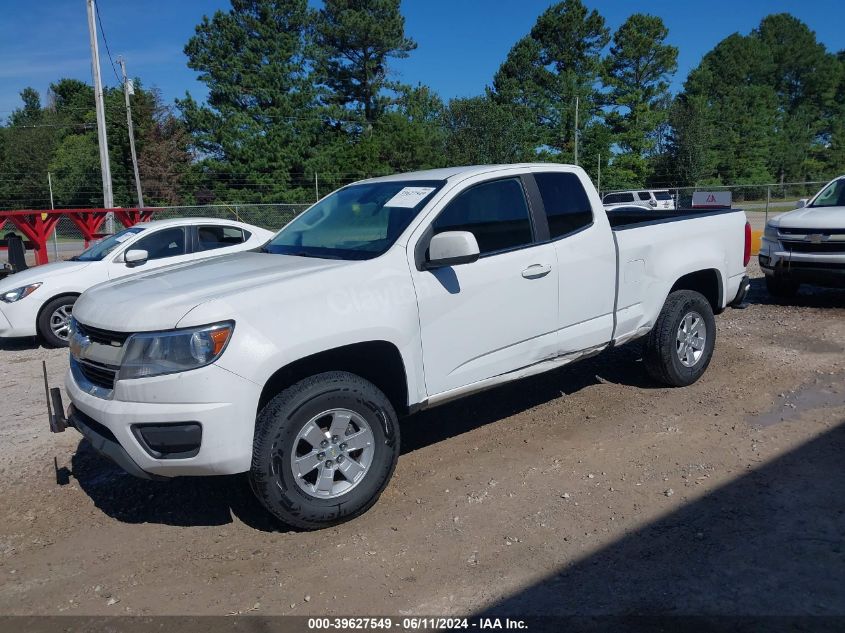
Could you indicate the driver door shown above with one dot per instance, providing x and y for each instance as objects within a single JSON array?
[{"x": 499, "y": 313}]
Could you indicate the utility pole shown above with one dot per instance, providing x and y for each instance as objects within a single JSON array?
[
  {"x": 105, "y": 168},
  {"x": 576, "y": 130},
  {"x": 316, "y": 187},
  {"x": 53, "y": 206},
  {"x": 127, "y": 90}
]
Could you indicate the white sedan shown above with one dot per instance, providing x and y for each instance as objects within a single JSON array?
[{"x": 38, "y": 301}]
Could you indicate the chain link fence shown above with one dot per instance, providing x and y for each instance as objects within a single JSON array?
[{"x": 776, "y": 198}]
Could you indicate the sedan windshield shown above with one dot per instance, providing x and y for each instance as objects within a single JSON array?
[
  {"x": 106, "y": 245},
  {"x": 356, "y": 222},
  {"x": 831, "y": 196}
]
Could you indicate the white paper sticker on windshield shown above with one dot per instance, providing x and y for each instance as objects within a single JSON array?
[
  {"x": 122, "y": 238},
  {"x": 409, "y": 197}
]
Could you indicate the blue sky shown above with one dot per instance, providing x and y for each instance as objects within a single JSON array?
[{"x": 461, "y": 42}]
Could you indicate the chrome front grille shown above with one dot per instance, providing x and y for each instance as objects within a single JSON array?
[
  {"x": 103, "y": 337},
  {"x": 817, "y": 241},
  {"x": 810, "y": 247},
  {"x": 95, "y": 357},
  {"x": 99, "y": 374}
]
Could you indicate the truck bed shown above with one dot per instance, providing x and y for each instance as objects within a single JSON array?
[{"x": 624, "y": 218}]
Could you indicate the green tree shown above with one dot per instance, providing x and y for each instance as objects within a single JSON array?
[
  {"x": 769, "y": 100},
  {"x": 559, "y": 60},
  {"x": 259, "y": 127},
  {"x": 28, "y": 143},
  {"x": 355, "y": 40},
  {"x": 637, "y": 72},
  {"x": 483, "y": 131}
]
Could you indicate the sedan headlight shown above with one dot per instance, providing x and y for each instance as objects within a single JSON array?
[
  {"x": 156, "y": 353},
  {"x": 771, "y": 232},
  {"x": 10, "y": 296}
]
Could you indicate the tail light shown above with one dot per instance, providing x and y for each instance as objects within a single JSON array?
[{"x": 746, "y": 257}]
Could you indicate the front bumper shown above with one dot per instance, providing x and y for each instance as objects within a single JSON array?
[
  {"x": 820, "y": 269},
  {"x": 18, "y": 318},
  {"x": 221, "y": 403}
]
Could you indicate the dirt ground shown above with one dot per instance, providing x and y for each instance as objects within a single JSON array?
[{"x": 584, "y": 491}]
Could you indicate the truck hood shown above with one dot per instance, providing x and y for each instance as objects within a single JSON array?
[
  {"x": 41, "y": 273},
  {"x": 813, "y": 218},
  {"x": 159, "y": 299}
]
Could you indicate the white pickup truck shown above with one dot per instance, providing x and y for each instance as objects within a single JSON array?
[
  {"x": 388, "y": 296},
  {"x": 807, "y": 245}
]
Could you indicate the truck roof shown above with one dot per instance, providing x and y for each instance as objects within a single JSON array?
[{"x": 465, "y": 171}]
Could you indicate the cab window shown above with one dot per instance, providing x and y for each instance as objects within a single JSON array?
[
  {"x": 567, "y": 205},
  {"x": 495, "y": 212}
]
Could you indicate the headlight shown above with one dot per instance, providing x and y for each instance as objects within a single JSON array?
[
  {"x": 10, "y": 296},
  {"x": 771, "y": 232},
  {"x": 157, "y": 353}
]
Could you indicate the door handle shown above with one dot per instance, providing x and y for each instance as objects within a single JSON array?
[{"x": 536, "y": 270}]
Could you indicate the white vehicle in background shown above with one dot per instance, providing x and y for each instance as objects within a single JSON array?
[
  {"x": 656, "y": 199},
  {"x": 388, "y": 296},
  {"x": 807, "y": 245},
  {"x": 38, "y": 301}
]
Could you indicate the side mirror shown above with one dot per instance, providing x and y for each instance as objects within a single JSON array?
[
  {"x": 135, "y": 257},
  {"x": 801, "y": 203},
  {"x": 451, "y": 248}
]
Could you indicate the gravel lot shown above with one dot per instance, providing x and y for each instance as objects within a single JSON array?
[{"x": 583, "y": 491}]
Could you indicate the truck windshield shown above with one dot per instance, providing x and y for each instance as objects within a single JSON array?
[
  {"x": 356, "y": 222},
  {"x": 106, "y": 245},
  {"x": 831, "y": 196}
]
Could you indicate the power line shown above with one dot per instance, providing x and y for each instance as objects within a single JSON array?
[{"x": 106, "y": 41}]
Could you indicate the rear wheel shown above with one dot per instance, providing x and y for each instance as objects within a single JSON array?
[
  {"x": 679, "y": 347},
  {"x": 325, "y": 449},
  {"x": 54, "y": 321},
  {"x": 781, "y": 287}
]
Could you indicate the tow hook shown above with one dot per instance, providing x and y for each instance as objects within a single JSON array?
[{"x": 55, "y": 408}]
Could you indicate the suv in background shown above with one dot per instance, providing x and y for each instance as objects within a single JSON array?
[{"x": 648, "y": 198}]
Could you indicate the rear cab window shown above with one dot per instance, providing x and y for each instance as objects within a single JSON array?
[{"x": 567, "y": 206}]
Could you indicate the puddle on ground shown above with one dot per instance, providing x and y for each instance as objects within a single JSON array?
[{"x": 824, "y": 391}]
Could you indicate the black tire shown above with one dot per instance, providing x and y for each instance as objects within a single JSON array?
[
  {"x": 781, "y": 287},
  {"x": 277, "y": 427},
  {"x": 662, "y": 360},
  {"x": 45, "y": 332}
]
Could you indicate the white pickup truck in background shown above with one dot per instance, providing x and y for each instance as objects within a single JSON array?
[
  {"x": 387, "y": 296},
  {"x": 807, "y": 245}
]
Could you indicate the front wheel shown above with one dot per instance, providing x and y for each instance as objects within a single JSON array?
[
  {"x": 324, "y": 450},
  {"x": 680, "y": 346},
  {"x": 54, "y": 321}
]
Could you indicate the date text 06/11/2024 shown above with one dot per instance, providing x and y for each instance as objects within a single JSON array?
[{"x": 416, "y": 623}]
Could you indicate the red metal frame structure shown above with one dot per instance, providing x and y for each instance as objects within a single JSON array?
[{"x": 37, "y": 226}]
